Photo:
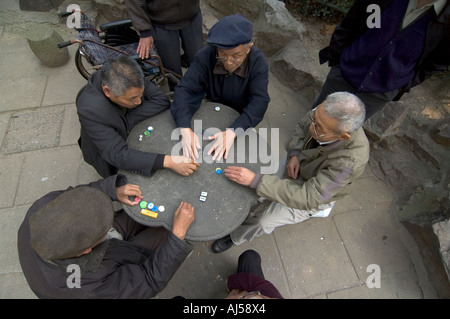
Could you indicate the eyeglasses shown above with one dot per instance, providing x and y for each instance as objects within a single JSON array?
[
  {"x": 313, "y": 111},
  {"x": 231, "y": 60}
]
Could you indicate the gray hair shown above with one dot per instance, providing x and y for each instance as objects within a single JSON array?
[
  {"x": 348, "y": 109},
  {"x": 121, "y": 74}
]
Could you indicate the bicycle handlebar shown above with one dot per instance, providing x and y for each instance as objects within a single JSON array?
[
  {"x": 64, "y": 14},
  {"x": 64, "y": 44}
]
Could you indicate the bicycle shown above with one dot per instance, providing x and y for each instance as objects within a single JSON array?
[{"x": 112, "y": 40}]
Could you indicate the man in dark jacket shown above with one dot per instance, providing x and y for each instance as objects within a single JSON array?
[
  {"x": 230, "y": 71},
  {"x": 383, "y": 48},
  {"x": 116, "y": 98},
  {"x": 165, "y": 22},
  {"x": 72, "y": 245}
]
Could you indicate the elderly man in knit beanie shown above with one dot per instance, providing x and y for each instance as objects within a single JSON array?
[
  {"x": 230, "y": 71},
  {"x": 115, "y": 256}
]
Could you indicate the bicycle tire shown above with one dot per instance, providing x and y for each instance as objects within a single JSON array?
[{"x": 83, "y": 65}]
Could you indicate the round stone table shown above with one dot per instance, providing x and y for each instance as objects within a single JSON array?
[{"x": 226, "y": 204}]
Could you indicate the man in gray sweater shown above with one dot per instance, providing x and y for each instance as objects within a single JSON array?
[{"x": 164, "y": 23}]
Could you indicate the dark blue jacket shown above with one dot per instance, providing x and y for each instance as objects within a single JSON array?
[
  {"x": 248, "y": 95},
  {"x": 390, "y": 52},
  {"x": 435, "y": 56}
]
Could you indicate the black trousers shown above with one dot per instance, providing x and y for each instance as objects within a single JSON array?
[
  {"x": 149, "y": 237},
  {"x": 335, "y": 82},
  {"x": 250, "y": 261}
]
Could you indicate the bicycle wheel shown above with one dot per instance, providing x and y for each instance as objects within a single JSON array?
[{"x": 83, "y": 64}]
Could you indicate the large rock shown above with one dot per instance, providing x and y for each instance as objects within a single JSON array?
[
  {"x": 409, "y": 152},
  {"x": 429, "y": 250},
  {"x": 39, "y": 5},
  {"x": 442, "y": 231},
  {"x": 294, "y": 67},
  {"x": 110, "y": 10},
  {"x": 273, "y": 25}
]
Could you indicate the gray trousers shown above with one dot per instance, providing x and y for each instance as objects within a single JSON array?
[
  {"x": 270, "y": 215},
  {"x": 266, "y": 215}
]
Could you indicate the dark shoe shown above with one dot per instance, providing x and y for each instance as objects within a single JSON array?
[{"x": 222, "y": 244}]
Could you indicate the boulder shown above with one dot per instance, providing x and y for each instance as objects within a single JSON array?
[
  {"x": 294, "y": 67},
  {"x": 273, "y": 25},
  {"x": 39, "y": 5},
  {"x": 110, "y": 10},
  {"x": 442, "y": 231}
]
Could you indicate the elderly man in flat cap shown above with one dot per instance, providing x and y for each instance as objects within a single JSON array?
[
  {"x": 230, "y": 71},
  {"x": 72, "y": 245}
]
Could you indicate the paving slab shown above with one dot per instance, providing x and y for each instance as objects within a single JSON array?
[
  {"x": 283, "y": 113},
  {"x": 15, "y": 286},
  {"x": 17, "y": 60},
  {"x": 314, "y": 258},
  {"x": 23, "y": 93},
  {"x": 70, "y": 129},
  {"x": 203, "y": 274},
  {"x": 10, "y": 168},
  {"x": 10, "y": 220},
  {"x": 4, "y": 122},
  {"x": 33, "y": 130},
  {"x": 70, "y": 80},
  {"x": 46, "y": 171},
  {"x": 370, "y": 238}
]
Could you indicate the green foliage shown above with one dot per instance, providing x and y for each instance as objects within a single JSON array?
[{"x": 327, "y": 10}]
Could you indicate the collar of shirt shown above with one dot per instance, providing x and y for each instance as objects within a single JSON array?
[
  {"x": 412, "y": 12},
  {"x": 325, "y": 143},
  {"x": 240, "y": 71}
]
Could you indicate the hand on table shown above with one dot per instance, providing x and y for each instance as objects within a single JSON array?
[
  {"x": 144, "y": 47},
  {"x": 293, "y": 167},
  {"x": 181, "y": 164},
  {"x": 126, "y": 190},
  {"x": 240, "y": 175},
  {"x": 182, "y": 220},
  {"x": 190, "y": 143},
  {"x": 222, "y": 145}
]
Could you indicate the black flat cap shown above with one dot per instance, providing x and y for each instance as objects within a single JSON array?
[
  {"x": 230, "y": 32},
  {"x": 71, "y": 223}
]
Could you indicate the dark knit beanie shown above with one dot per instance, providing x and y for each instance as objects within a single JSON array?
[{"x": 71, "y": 223}]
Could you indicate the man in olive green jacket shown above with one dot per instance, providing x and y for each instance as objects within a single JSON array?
[{"x": 327, "y": 152}]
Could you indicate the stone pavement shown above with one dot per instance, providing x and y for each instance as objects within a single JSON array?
[{"x": 320, "y": 258}]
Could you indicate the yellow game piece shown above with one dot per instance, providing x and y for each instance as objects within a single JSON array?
[{"x": 149, "y": 213}]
